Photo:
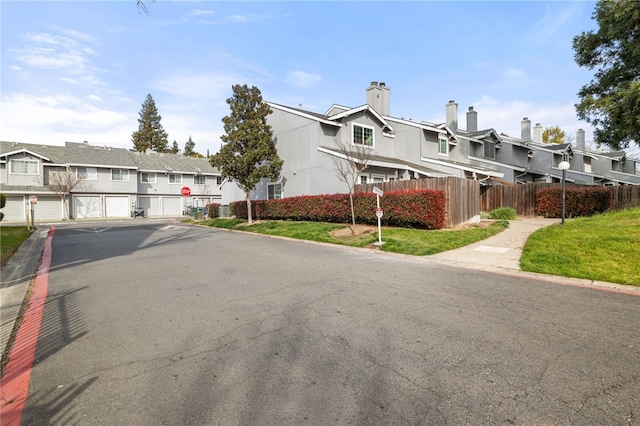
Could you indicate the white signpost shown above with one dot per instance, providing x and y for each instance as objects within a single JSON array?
[{"x": 379, "y": 193}]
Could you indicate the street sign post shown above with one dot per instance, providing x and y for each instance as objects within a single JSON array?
[{"x": 379, "y": 193}]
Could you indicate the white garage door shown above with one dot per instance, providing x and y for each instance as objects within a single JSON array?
[
  {"x": 172, "y": 206},
  {"x": 15, "y": 208},
  {"x": 151, "y": 205},
  {"x": 117, "y": 206},
  {"x": 86, "y": 207},
  {"x": 48, "y": 208}
]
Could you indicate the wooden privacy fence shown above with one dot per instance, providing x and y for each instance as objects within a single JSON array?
[
  {"x": 463, "y": 195},
  {"x": 467, "y": 198}
]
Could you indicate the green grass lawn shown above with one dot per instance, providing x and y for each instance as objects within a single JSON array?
[
  {"x": 11, "y": 238},
  {"x": 605, "y": 247},
  {"x": 417, "y": 242}
]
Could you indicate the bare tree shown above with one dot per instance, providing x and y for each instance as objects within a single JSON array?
[
  {"x": 62, "y": 183},
  {"x": 142, "y": 6},
  {"x": 349, "y": 165}
]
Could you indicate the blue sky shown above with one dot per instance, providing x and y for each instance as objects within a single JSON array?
[{"x": 80, "y": 70}]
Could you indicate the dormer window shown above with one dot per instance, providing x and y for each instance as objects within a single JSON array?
[
  {"x": 443, "y": 145},
  {"x": 489, "y": 149},
  {"x": 362, "y": 135},
  {"x": 24, "y": 167}
]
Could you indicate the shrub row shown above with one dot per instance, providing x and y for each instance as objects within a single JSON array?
[
  {"x": 578, "y": 201},
  {"x": 213, "y": 210},
  {"x": 424, "y": 209}
]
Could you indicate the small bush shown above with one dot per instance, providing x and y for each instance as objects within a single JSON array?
[
  {"x": 502, "y": 223},
  {"x": 503, "y": 213},
  {"x": 213, "y": 210}
]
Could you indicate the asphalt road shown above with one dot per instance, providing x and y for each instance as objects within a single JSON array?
[{"x": 154, "y": 324}]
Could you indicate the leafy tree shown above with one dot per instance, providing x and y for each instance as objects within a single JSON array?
[
  {"x": 553, "y": 135},
  {"x": 611, "y": 101},
  {"x": 62, "y": 183},
  {"x": 248, "y": 153},
  {"x": 349, "y": 166},
  {"x": 174, "y": 148},
  {"x": 189, "y": 148},
  {"x": 150, "y": 134}
]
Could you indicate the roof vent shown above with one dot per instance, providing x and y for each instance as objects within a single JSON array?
[{"x": 168, "y": 168}]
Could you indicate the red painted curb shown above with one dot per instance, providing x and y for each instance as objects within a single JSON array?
[{"x": 15, "y": 382}]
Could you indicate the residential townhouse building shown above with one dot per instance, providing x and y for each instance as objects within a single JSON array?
[
  {"x": 111, "y": 181},
  {"x": 308, "y": 142}
]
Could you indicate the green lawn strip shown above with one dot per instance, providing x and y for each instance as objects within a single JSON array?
[
  {"x": 416, "y": 242},
  {"x": 11, "y": 238},
  {"x": 421, "y": 243},
  {"x": 604, "y": 248}
]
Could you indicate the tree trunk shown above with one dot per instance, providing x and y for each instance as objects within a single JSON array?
[
  {"x": 353, "y": 215},
  {"x": 66, "y": 206},
  {"x": 249, "y": 210}
]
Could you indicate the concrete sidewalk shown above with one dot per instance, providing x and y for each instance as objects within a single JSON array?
[{"x": 500, "y": 251}]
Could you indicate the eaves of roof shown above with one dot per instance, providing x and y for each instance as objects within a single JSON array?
[
  {"x": 50, "y": 153},
  {"x": 463, "y": 166},
  {"x": 360, "y": 109},
  {"x": 389, "y": 162},
  {"x": 306, "y": 114}
]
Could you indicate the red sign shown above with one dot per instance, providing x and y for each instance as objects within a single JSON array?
[
  {"x": 379, "y": 212},
  {"x": 33, "y": 199},
  {"x": 185, "y": 191}
]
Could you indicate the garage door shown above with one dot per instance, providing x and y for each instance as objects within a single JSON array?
[
  {"x": 15, "y": 208},
  {"x": 151, "y": 205},
  {"x": 172, "y": 206},
  {"x": 117, "y": 206},
  {"x": 48, "y": 208},
  {"x": 86, "y": 207}
]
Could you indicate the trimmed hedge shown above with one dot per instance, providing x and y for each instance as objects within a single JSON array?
[
  {"x": 213, "y": 210},
  {"x": 579, "y": 201},
  {"x": 424, "y": 209}
]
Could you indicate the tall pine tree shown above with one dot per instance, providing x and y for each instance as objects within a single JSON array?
[
  {"x": 189, "y": 148},
  {"x": 150, "y": 135},
  {"x": 248, "y": 153}
]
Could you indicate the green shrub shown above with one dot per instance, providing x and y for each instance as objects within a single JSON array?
[
  {"x": 503, "y": 213},
  {"x": 3, "y": 202},
  {"x": 213, "y": 210}
]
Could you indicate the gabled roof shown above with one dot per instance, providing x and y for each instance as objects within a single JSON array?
[
  {"x": 616, "y": 155},
  {"x": 360, "y": 109},
  {"x": 172, "y": 163},
  {"x": 48, "y": 153},
  {"x": 83, "y": 154}
]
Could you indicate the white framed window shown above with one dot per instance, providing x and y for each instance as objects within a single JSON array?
[
  {"x": 146, "y": 177},
  {"x": 175, "y": 178},
  {"x": 363, "y": 135},
  {"x": 24, "y": 167},
  {"x": 378, "y": 179},
  {"x": 87, "y": 173},
  {"x": 274, "y": 191},
  {"x": 218, "y": 180},
  {"x": 587, "y": 164},
  {"x": 363, "y": 180},
  {"x": 443, "y": 145},
  {"x": 199, "y": 180},
  {"x": 121, "y": 175}
]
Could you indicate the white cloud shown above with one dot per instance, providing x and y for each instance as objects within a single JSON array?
[{"x": 303, "y": 79}]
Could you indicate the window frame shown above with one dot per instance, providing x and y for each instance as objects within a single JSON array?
[
  {"x": 197, "y": 178},
  {"x": 443, "y": 142},
  {"x": 363, "y": 127},
  {"x": 174, "y": 176},
  {"x": 86, "y": 173},
  {"x": 489, "y": 145},
  {"x": 272, "y": 193},
  {"x": 124, "y": 174},
  {"x": 26, "y": 162},
  {"x": 218, "y": 180},
  {"x": 149, "y": 175}
]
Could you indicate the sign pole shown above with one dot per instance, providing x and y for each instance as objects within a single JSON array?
[{"x": 378, "y": 193}]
